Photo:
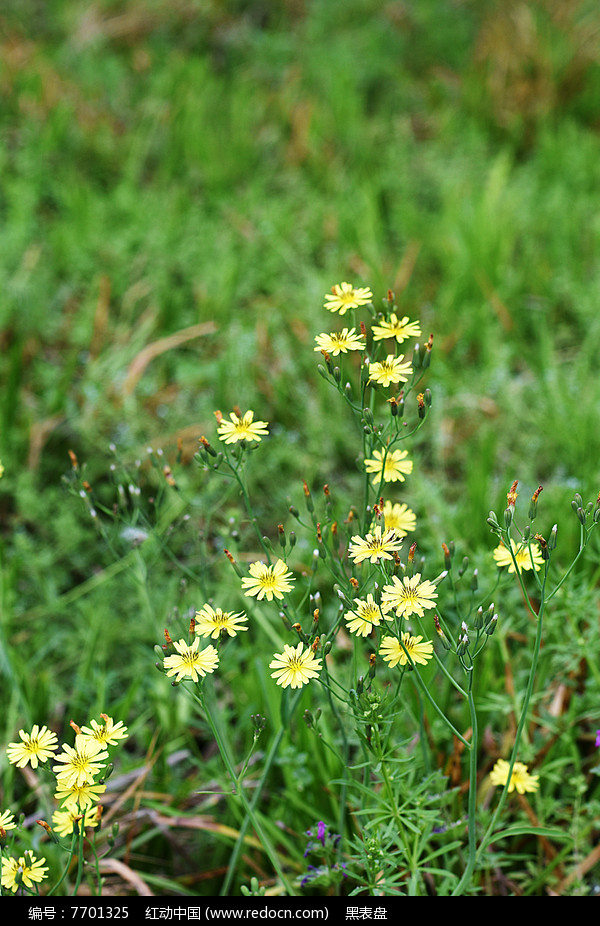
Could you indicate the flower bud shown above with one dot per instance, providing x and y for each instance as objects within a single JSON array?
[
  {"x": 207, "y": 447},
  {"x": 543, "y": 547},
  {"x": 233, "y": 563},
  {"x": 462, "y": 645},
  {"x": 309, "y": 502},
  {"x": 491, "y": 625},
  {"x": 533, "y": 503},
  {"x": 447, "y": 556},
  {"x": 426, "y": 358}
]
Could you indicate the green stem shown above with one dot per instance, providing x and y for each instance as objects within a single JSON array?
[
  {"x": 489, "y": 833},
  {"x": 434, "y": 704},
  {"x": 249, "y": 808},
  {"x": 472, "y": 801}
]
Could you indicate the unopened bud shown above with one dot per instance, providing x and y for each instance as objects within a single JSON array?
[
  {"x": 491, "y": 625},
  {"x": 533, "y": 503},
  {"x": 207, "y": 447},
  {"x": 426, "y": 359},
  {"x": 309, "y": 502},
  {"x": 233, "y": 563},
  {"x": 463, "y": 643},
  {"x": 372, "y": 665},
  {"x": 447, "y": 556},
  {"x": 543, "y": 546}
]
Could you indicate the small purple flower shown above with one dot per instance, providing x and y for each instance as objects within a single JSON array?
[
  {"x": 597, "y": 737},
  {"x": 323, "y": 845}
]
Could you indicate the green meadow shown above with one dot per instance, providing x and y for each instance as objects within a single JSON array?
[{"x": 181, "y": 184}]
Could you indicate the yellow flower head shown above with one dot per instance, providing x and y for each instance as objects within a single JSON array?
[
  {"x": 340, "y": 342},
  {"x": 344, "y": 296},
  {"x": 295, "y": 666},
  {"x": 399, "y": 518},
  {"x": 408, "y": 596},
  {"x": 525, "y": 559},
  {"x": 398, "y": 653},
  {"x": 63, "y": 821},
  {"x": 374, "y": 546},
  {"x": 390, "y": 370},
  {"x": 241, "y": 427},
  {"x": 35, "y": 747},
  {"x": 107, "y": 733},
  {"x": 79, "y": 764},
  {"x": 189, "y": 663},
  {"x": 520, "y": 778},
  {"x": 393, "y": 463},
  {"x": 267, "y": 581},
  {"x": 26, "y": 870},
  {"x": 7, "y": 820},
  {"x": 212, "y": 622},
  {"x": 394, "y": 328},
  {"x": 366, "y": 615},
  {"x": 76, "y": 798}
]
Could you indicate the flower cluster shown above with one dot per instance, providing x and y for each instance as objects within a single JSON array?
[
  {"x": 295, "y": 666},
  {"x": 322, "y": 847},
  {"x": 389, "y": 369},
  {"x": 385, "y": 463},
  {"x": 79, "y": 771}
]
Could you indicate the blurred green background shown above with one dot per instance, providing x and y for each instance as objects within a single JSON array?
[{"x": 180, "y": 184}]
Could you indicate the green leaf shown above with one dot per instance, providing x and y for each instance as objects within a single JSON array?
[{"x": 527, "y": 829}]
